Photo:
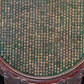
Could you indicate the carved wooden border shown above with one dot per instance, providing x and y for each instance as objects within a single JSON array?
[{"x": 12, "y": 77}]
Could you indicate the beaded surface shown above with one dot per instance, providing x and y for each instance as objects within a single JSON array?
[{"x": 42, "y": 37}]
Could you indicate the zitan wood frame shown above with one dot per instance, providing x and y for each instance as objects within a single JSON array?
[{"x": 13, "y": 77}]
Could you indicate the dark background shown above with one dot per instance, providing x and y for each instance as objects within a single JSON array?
[
  {"x": 82, "y": 80},
  {"x": 2, "y": 80}
]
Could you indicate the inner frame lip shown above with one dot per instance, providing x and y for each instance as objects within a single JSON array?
[{"x": 14, "y": 71}]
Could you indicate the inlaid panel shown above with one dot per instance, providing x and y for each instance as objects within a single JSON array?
[{"x": 42, "y": 38}]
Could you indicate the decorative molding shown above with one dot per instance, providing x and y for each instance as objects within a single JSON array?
[
  {"x": 8, "y": 79},
  {"x": 11, "y": 77},
  {"x": 77, "y": 79}
]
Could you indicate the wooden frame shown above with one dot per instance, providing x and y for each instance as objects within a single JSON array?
[{"x": 13, "y": 77}]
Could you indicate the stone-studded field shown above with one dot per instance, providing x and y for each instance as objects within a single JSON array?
[{"x": 42, "y": 37}]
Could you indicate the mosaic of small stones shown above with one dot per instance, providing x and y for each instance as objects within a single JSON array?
[{"x": 42, "y": 37}]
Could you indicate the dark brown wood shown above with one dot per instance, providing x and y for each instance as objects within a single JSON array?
[{"x": 11, "y": 76}]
